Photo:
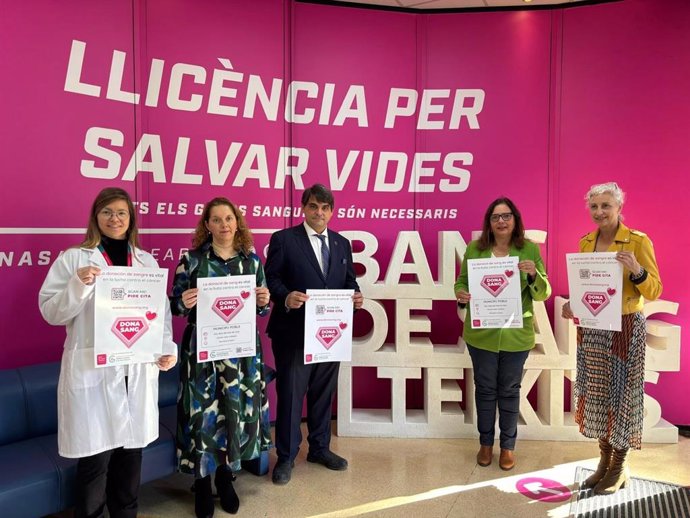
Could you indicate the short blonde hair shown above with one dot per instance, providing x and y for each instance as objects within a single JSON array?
[{"x": 606, "y": 188}]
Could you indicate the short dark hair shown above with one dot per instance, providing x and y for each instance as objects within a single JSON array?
[
  {"x": 487, "y": 238},
  {"x": 322, "y": 194}
]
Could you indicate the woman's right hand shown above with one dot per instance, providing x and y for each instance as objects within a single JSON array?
[
  {"x": 88, "y": 274},
  {"x": 566, "y": 312},
  {"x": 462, "y": 296},
  {"x": 189, "y": 297}
]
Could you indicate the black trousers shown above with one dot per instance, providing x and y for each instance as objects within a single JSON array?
[
  {"x": 109, "y": 478},
  {"x": 293, "y": 381}
]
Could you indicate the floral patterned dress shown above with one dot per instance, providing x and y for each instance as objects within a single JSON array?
[{"x": 222, "y": 407}]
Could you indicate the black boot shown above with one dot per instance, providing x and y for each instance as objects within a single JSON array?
[
  {"x": 203, "y": 497},
  {"x": 229, "y": 501}
]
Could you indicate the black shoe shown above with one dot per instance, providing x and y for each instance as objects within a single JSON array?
[
  {"x": 282, "y": 472},
  {"x": 328, "y": 459},
  {"x": 229, "y": 501},
  {"x": 203, "y": 497}
]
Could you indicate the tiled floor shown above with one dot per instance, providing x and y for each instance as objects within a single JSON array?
[{"x": 420, "y": 478}]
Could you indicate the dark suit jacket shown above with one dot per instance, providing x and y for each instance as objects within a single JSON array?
[{"x": 291, "y": 265}]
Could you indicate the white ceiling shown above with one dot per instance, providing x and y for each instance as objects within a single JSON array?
[{"x": 457, "y": 4}]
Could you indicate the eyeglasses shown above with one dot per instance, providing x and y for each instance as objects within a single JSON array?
[
  {"x": 506, "y": 216},
  {"x": 122, "y": 215}
]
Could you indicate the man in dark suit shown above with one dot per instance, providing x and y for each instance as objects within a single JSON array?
[{"x": 307, "y": 256}]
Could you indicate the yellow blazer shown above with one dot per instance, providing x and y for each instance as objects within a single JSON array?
[{"x": 649, "y": 285}]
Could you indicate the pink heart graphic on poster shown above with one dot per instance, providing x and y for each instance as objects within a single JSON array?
[
  {"x": 494, "y": 284},
  {"x": 342, "y": 325},
  {"x": 595, "y": 301},
  {"x": 227, "y": 307},
  {"x": 509, "y": 273},
  {"x": 129, "y": 329},
  {"x": 328, "y": 336},
  {"x": 245, "y": 294},
  {"x": 611, "y": 291},
  {"x": 150, "y": 315}
]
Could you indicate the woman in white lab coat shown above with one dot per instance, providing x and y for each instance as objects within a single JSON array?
[{"x": 105, "y": 415}]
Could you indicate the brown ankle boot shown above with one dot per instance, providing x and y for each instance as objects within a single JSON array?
[
  {"x": 484, "y": 456},
  {"x": 506, "y": 461},
  {"x": 605, "y": 450},
  {"x": 616, "y": 476}
]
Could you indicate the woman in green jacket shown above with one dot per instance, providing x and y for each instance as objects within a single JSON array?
[{"x": 499, "y": 355}]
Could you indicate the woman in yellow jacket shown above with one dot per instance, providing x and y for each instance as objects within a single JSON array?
[
  {"x": 499, "y": 355},
  {"x": 610, "y": 364}
]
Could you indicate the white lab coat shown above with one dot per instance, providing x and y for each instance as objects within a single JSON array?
[{"x": 96, "y": 412}]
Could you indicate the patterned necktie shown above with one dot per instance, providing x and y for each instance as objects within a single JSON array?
[{"x": 325, "y": 254}]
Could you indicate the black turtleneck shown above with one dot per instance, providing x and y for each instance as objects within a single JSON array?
[{"x": 116, "y": 249}]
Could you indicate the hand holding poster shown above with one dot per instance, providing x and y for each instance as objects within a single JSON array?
[
  {"x": 595, "y": 283},
  {"x": 129, "y": 315},
  {"x": 328, "y": 326},
  {"x": 225, "y": 317},
  {"x": 496, "y": 295}
]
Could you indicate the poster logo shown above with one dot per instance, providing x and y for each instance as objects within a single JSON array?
[
  {"x": 328, "y": 336},
  {"x": 595, "y": 301},
  {"x": 494, "y": 284},
  {"x": 129, "y": 329},
  {"x": 227, "y": 307}
]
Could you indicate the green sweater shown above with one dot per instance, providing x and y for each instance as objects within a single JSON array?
[{"x": 507, "y": 339}]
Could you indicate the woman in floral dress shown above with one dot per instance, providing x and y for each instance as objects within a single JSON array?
[{"x": 222, "y": 406}]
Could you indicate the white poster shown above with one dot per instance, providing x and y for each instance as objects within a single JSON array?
[
  {"x": 328, "y": 326},
  {"x": 129, "y": 316},
  {"x": 496, "y": 299},
  {"x": 225, "y": 317},
  {"x": 595, "y": 282}
]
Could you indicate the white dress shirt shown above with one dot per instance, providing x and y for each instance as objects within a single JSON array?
[{"x": 316, "y": 242}]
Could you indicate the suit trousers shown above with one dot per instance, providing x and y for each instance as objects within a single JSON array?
[
  {"x": 109, "y": 478},
  {"x": 497, "y": 379},
  {"x": 294, "y": 379}
]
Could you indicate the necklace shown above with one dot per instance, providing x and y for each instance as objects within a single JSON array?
[
  {"x": 225, "y": 253},
  {"x": 499, "y": 252}
]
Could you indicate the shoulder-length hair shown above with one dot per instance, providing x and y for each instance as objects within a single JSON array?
[
  {"x": 108, "y": 195},
  {"x": 242, "y": 241},
  {"x": 487, "y": 238}
]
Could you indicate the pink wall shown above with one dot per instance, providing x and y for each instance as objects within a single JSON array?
[
  {"x": 571, "y": 97},
  {"x": 624, "y": 115}
]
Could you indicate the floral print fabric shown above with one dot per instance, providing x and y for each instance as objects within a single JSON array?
[{"x": 222, "y": 408}]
